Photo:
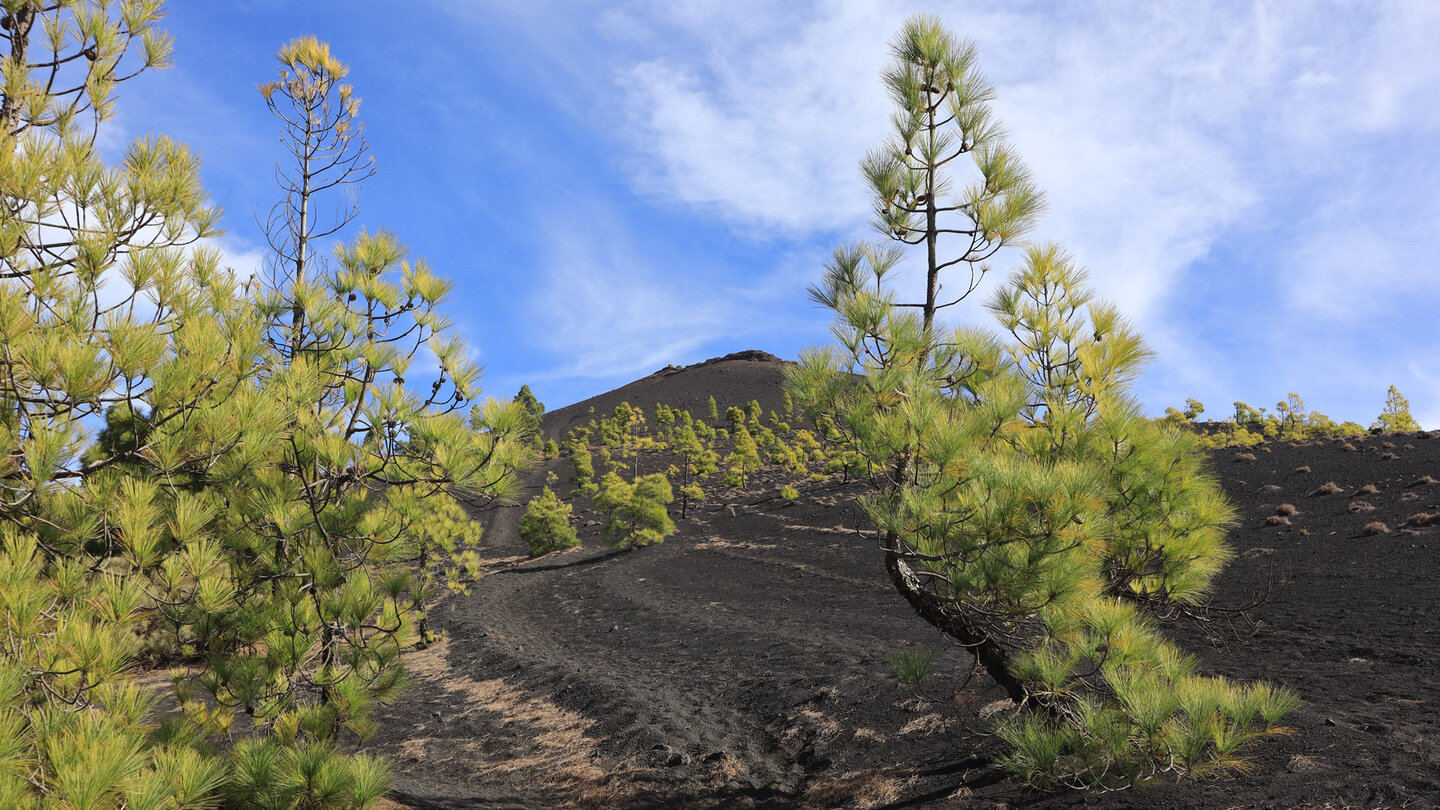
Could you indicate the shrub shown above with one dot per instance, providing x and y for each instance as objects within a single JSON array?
[
  {"x": 547, "y": 524},
  {"x": 637, "y": 511},
  {"x": 789, "y": 493}
]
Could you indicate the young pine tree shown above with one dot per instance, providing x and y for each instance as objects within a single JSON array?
[
  {"x": 697, "y": 460},
  {"x": 340, "y": 532},
  {"x": 1396, "y": 417},
  {"x": 160, "y": 348},
  {"x": 744, "y": 457},
  {"x": 1025, "y": 507},
  {"x": 547, "y": 524},
  {"x": 638, "y": 516},
  {"x": 532, "y": 409}
]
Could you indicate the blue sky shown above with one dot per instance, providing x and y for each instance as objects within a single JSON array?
[{"x": 617, "y": 186}]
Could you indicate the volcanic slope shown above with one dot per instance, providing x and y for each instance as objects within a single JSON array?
[{"x": 744, "y": 662}]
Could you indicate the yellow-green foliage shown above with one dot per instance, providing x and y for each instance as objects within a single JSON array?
[
  {"x": 637, "y": 510},
  {"x": 744, "y": 458},
  {"x": 1025, "y": 505},
  {"x": 1292, "y": 421},
  {"x": 547, "y": 524},
  {"x": 267, "y": 498},
  {"x": 1057, "y": 524},
  {"x": 1396, "y": 417}
]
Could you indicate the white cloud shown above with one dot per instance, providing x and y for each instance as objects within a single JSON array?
[
  {"x": 605, "y": 310},
  {"x": 767, "y": 125},
  {"x": 1280, "y": 148}
]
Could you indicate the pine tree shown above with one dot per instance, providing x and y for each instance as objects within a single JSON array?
[
  {"x": 547, "y": 524},
  {"x": 80, "y": 540},
  {"x": 346, "y": 525},
  {"x": 266, "y": 497},
  {"x": 637, "y": 510},
  {"x": 1026, "y": 508},
  {"x": 697, "y": 460},
  {"x": 744, "y": 457},
  {"x": 533, "y": 409},
  {"x": 1396, "y": 417}
]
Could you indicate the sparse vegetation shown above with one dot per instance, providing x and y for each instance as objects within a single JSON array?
[
  {"x": 912, "y": 667},
  {"x": 1376, "y": 527}
]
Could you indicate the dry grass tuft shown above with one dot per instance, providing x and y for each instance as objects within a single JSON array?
[
  {"x": 1304, "y": 469},
  {"x": 1376, "y": 527},
  {"x": 1348, "y": 447},
  {"x": 1422, "y": 519},
  {"x": 1387, "y": 456},
  {"x": 1368, "y": 489},
  {"x": 1360, "y": 506},
  {"x": 869, "y": 735},
  {"x": 1277, "y": 520},
  {"x": 925, "y": 724},
  {"x": 1286, "y": 509},
  {"x": 717, "y": 542},
  {"x": 1244, "y": 456},
  {"x": 1422, "y": 481},
  {"x": 861, "y": 790},
  {"x": 1410, "y": 496},
  {"x": 1327, "y": 488}
]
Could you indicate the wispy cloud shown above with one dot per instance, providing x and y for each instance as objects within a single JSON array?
[{"x": 605, "y": 308}]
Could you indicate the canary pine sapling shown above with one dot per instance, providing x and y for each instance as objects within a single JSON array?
[{"x": 1025, "y": 507}]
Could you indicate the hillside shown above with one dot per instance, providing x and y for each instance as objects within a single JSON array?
[
  {"x": 733, "y": 380},
  {"x": 744, "y": 662}
]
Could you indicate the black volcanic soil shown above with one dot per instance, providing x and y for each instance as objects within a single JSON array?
[{"x": 743, "y": 663}]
